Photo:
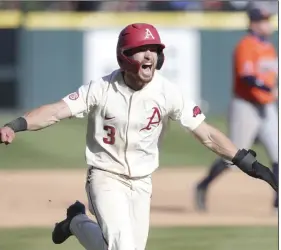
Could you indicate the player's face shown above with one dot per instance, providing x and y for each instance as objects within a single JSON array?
[
  {"x": 265, "y": 28},
  {"x": 147, "y": 57}
]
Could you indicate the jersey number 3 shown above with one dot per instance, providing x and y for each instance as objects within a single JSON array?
[{"x": 110, "y": 139}]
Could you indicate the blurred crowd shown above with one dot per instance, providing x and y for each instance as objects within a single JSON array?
[{"x": 136, "y": 5}]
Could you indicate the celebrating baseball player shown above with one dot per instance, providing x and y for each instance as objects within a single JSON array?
[
  {"x": 126, "y": 110},
  {"x": 253, "y": 114}
]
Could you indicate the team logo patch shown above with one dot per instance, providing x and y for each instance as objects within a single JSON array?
[
  {"x": 73, "y": 96},
  {"x": 196, "y": 111}
]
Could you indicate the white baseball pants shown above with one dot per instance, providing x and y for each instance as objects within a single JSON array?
[{"x": 122, "y": 209}]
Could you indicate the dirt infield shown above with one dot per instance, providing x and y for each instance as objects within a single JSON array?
[{"x": 39, "y": 198}]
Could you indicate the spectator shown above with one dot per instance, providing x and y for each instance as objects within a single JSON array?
[
  {"x": 9, "y": 5},
  {"x": 212, "y": 5},
  {"x": 123, "y": 5},
  {"x": 235, "y": 5},
  {"x": 87, "y": 5},
  {"x": 270, "y": 6},
  {"x": 159, "y": 5},
  {"x": 185, "y": 5}
]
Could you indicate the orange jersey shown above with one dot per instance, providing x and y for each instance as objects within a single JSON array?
[{"x": 257, "y": 58}]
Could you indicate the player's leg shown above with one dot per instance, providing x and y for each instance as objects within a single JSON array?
[
  {"x": 243, "y": 124},
  {"x": 62, "y": 230},
  {"x": 268, "y": 136},
  {"x": 88, "y": 233},
  {"x": 79, "y": 224},
  {"x": 140, "y": 210},
  {"x": 108, "y": 196},
  {"x": 217, "y": 168}
]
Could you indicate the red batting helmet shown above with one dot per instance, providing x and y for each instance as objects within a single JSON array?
[{"x": 136, "y": 35}]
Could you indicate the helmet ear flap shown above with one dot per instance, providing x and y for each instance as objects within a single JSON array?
[{"x": 160, "y": 60}]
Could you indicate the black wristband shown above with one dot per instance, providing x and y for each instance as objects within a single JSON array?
[
  {"x": 241, "y": 153},
  {"x": 244, "y": 157},
  {"x": 19, "y": 124}
]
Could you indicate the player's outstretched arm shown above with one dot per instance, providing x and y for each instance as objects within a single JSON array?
[
  {"x": 215, "y": 140},
  {"x": 41, "y": 117},
  {"x": 47, "y": 115},
  {"x": 242, "y": 158},
  {"x": 36, "y": 119}
]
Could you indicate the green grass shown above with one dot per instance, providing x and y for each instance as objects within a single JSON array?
[
  {"x": 62, "y": 146},
  {"x": 193, "y": 238}
]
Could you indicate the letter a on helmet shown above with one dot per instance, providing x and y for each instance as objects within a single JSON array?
[{"x": 133, "y": 36}]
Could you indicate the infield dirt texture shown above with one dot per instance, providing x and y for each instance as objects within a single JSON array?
[{"x": 39, "y": 198}]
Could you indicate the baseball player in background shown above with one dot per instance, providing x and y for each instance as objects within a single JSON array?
[
  {"x": 126, "y": 111},
  {"x": 253, "y": 114}
]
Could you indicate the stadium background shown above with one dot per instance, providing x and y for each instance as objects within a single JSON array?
[{"x": 48, "y": 53}]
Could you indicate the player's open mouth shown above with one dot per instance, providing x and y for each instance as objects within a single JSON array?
[
  {"x": 146, "y": 69},
  {"x": 147, "y": 66}
]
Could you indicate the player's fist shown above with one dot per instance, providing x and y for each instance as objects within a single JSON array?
[{"x": 7, "y": 135}]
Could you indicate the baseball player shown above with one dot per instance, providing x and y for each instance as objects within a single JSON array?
[
  {"x": 126, "y": 111},
  {"x": 253, "y": 114}
]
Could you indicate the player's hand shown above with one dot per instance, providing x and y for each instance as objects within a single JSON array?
[{"x": 7, "y": 135}]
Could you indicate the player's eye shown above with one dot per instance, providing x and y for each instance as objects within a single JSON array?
[{"x": 129, "y": 52}]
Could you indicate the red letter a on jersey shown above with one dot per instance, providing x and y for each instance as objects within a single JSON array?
[{"x": 154, "y": 119}]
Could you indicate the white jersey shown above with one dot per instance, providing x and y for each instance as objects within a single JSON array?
[{"x": 124, "y": 125}]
